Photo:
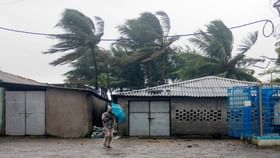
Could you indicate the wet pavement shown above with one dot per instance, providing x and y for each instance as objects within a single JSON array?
[{"x": 26, "y": 147}]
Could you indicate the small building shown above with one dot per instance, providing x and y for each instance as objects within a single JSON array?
[
  {"x": 73, "y": 112},
  {"x": 28, "y": 107},
  {"x": 193, "y": 107}
]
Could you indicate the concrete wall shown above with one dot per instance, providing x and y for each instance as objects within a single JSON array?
[
  {"x": 189, "y": 116},
  {"x": 99, "y": 106},
  {"x": 68, "y": 113},
  {"x": 198, "y": 116}
]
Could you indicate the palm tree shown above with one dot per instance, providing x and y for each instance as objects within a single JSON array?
[
  {"x": 148, "y": 42},
  {"x": 216, "y": 58},
  {"x": 81, "y": 73},
  {"x": 125, "y": 77},
  {"x": 81, "y": 36}
]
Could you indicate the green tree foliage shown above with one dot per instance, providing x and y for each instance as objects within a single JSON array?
[
  {"x": 275, "y": 70},
  {"x": 143, "y": 55},
  {"x": 216, "y": 46},
  {"x": 81, "y": 37},
  {"x": 148, "y": 46},
  {"x": 130, "y": 76},
  {"x": 82, "y": 73}
]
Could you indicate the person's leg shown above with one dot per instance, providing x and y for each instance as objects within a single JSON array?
[
  {"x": 110, "y": 137},
  {"x": 106, "y": 137}
]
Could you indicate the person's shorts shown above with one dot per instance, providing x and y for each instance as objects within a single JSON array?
[{"x": 108, "y": 125}]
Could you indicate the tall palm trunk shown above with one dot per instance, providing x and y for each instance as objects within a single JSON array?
[
  {"x": 95, "y": 68},
  {"x": 148, "y": 77},
  {"x": 109, "y": 82},
  {"x": 162, "y": 70}
]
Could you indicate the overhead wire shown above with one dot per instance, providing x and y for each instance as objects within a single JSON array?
[
  {"x": 27, "y": 32},
  {"x": 266, "y": 23}
]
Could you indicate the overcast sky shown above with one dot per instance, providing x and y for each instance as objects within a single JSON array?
[{"x": 21, "y": 54}]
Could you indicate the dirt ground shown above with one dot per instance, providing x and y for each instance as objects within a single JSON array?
[{"x": 26, "y": 147}]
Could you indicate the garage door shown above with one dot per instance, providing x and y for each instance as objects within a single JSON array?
[
  {"x": 149, "y": 118},
  {"x": 15, "y": 113},
  {"x": 25, "y": 113},
  {"x": 35, "y": 113}
]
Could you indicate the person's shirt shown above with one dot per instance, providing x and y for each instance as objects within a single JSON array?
[{"x": 108, "y": 119}]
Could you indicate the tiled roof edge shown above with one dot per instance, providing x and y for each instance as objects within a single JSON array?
[{"x": 183, "y": 82}]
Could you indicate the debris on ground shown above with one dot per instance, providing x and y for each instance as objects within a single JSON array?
[{"x": 97, "y": 132}]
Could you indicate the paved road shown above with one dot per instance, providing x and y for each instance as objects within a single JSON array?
[{"x": 26, "y": 147}]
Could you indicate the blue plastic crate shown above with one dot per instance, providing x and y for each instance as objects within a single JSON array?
[
  {"x": 239, "y": 122},
  {"x": 245, "y": 121}
]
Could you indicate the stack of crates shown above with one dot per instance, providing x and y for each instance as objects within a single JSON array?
[
  {"x": 239, "y": 115},
  {"x": 239, "y": 122},
  {"x": 243, "y": 117},
  {"x": 271, "y": 98}
]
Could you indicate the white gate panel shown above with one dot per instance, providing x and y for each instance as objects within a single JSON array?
[
  {"x": 149, "y": 118},
  {"x": 160, "y": 124},
  {"x": 35, "y": 113},
  {"x": 139, "y": 106},
  {"x": 159, "y": 118},
  {"x": 15, "y": 113},
  {"x": 160, "y": 106},
  {"x": 139, "y": 124},
  {"x": 138, "y": 118}
]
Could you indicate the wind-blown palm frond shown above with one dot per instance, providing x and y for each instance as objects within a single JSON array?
[
  {"x": 67, "y": 42},
  {"x": 75, "y": 22},
  {"x": 236, "y": 59},
  {"x": 81, "y": 37},
  {"x": 243, "y": 75},
  {"x": 222, "y": 35},
  {"x": 216, "y": 44},
  {"x": 152, "y": 22},
  {"x": 70, "y": 57},
  {"x": 99, "y": 26},
  {"x": 165, "y": 22},
  {"x": 198, "y": 66},
  {"x": 80, "y": 32},
  {"x": 209, "y": 46},
  {"x": 245, "y": 62},
  {"x": 248, "y": 71},
  {"x": 135, "y": 57},
  {"x": 247, "y": 43},
  {"x": 275, "y": 69},
  {"x": 148, "y": 44},
  {"x": 143, "y": 30},
  {"x": 201, "y": 41}
]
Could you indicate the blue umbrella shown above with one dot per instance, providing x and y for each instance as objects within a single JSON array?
[{"x": 118, "y": 112}]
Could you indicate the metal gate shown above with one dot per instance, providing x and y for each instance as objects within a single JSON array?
[
  {"x": 149, "y": 118},
  {"x": 25, "y": 113}
]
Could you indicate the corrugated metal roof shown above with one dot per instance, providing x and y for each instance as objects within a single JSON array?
[
  {"x": 210, "y": 86},
  {"x": 10, "y": 78},
  {"x": 11, "y": 81}
]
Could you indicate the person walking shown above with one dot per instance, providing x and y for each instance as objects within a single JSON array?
[{"x": 108, "y": 120}]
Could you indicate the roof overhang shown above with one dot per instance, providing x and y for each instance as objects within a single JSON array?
[{"x": 44, "y": 87}]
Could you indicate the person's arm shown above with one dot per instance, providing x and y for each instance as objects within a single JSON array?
[{"x": 103, "y": 117}]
